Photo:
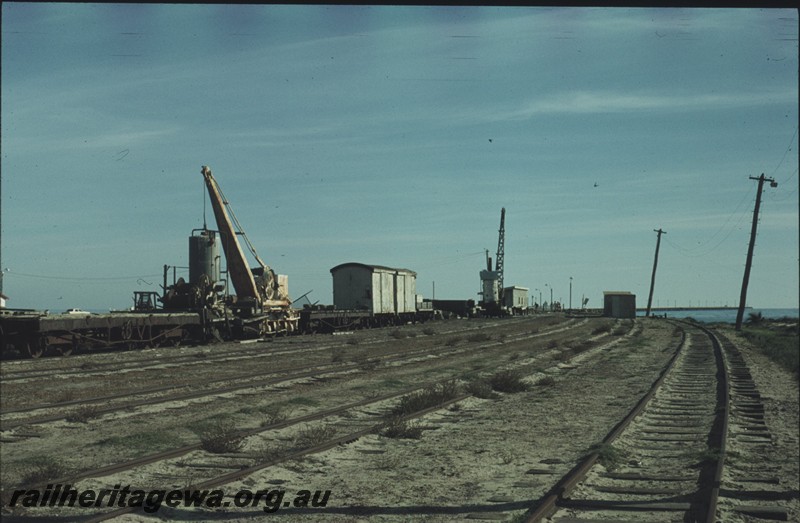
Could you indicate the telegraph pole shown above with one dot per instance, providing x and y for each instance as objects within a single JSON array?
[
  {"x": 570, "y": 294},
  {"x": 653, "y": 278},
  {"x": 743, "y": 297}
]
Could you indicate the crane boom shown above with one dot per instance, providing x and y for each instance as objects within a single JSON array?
[
  {"x": 240, "y": 274},
  {"x": 501, "y": 251}
]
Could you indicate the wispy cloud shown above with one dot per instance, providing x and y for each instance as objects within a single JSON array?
[{"x": 589, "y": 102}]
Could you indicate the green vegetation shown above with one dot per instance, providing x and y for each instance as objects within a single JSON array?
[
  {"x": 608, "y": 455},
  {"x": 776, "y": 339},
  {"x": 83, "y": 414},
  {"x": 479, "y": 336},
  {"x": 392, "y": 383},
  {"x": 397, "y": 427},
  {"x": 480, "y": 388},
  {"x": 303, "y": 400},
  {"x": 41, "y": 470},
  {"x": 221, "y": 438},
  {"x": 273, "y": 413},
  {"x": 311, "y": 436},
  {"x": 430, "y": 396},
  {"x": 564, "y": 355},
  {"x": 398, "y": 335},
  {"x": 602, "y": 329},
  {"x": 507, "y": 381},
  {"x": 547, "y": 381},
  {"x": 707, "y": 456}
]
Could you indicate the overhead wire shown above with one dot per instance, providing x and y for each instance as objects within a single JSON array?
[
  {"x": 76, "y": 279},
  {"x": 785, "y": 196},
  {"x": 788, "y": 148},
  {"x": 692, "y": 252}
]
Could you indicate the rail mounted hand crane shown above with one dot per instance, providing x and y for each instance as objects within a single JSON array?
[{"x": 261, "y": 305}]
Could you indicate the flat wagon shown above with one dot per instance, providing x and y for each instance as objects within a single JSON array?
[{"x": 33, "y": 333}]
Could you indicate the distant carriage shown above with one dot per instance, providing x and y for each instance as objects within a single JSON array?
[{"x": 369, "y": 296}]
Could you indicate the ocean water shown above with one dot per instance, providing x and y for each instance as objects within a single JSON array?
[{"x": 725, "y": 315}]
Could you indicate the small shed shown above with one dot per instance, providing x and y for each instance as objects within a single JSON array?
[
  {"x": 619, "y": 304},
  {"x": 515, "y": 298},
  {"x": 375, "y": 288}
]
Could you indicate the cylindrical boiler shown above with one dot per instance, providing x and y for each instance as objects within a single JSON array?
[{"x": 204, "y": 256}]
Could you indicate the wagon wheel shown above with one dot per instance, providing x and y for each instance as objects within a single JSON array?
[
  {"x": 126, "y": 331},
  {"x": 66, "y": 350},
  {"x": 36, "y": 347}
]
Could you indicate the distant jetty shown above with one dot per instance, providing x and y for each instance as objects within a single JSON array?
[{"x": 667, "y": 309}]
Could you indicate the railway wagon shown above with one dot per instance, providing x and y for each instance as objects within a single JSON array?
[
  {"x": 32, "y": 333},
  {"x": 457, "y": 308},
  {"x": 367, "y": 296}
]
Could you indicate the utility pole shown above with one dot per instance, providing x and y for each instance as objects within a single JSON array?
[
  {"x": 743, "y": 297},
  {"x": 570, "y": 294},
  {"x": 653, "y": 278}
]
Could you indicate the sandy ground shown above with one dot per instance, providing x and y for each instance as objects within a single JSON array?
[
  {"x": 781, "y": 459},
  {"x": 479, "y": 459}
]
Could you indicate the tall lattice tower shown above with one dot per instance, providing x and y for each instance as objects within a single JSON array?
[{"x": 501, "y": 247}]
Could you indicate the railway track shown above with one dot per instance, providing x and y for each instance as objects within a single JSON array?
[
  {"x": 666, "y": 460},
  {"x": 243, "y": 382},
  {"x": 747, "y": 486},
  {"x": 363, "y": 423},
  {"x": 204, "y": 355}
]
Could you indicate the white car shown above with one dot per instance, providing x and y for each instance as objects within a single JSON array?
[{"x": 76, "y": 311}]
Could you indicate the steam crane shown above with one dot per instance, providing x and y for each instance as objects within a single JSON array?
[{"x": 261, "y": 303}]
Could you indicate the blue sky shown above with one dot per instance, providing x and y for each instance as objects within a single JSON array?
[{"x": 393, "y": 136}]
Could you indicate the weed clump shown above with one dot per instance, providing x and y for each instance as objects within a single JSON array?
[
  {"x": 564, "y": 355},
  {"x": 547, "y": 381},
  {"x": 42, "y": 470},
  {"x": 608, "y": 455},
  {"x": 428, "y": 331},
  {"x": 778, "y": 344},
  {"x": 221, "y": 438},
  {"x": 337, "y": 353},
  {"x": 601, "y": 329},
  {"x": 311, "y": 436},
  {"x": 478, "y": 337},
  {"x": 397, "y": 427},
  {"x": 507, "y": 381},
  {"x": 430, "y": 396},
  {"x": 397, "y": 334},
  {"x": 480, "y": 388},
  {"x": 273, "y": 413},
  {"x": 84, "y": 414}
]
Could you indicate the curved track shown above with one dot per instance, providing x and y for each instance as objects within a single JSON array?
[{"x": 667, "y": 460}]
